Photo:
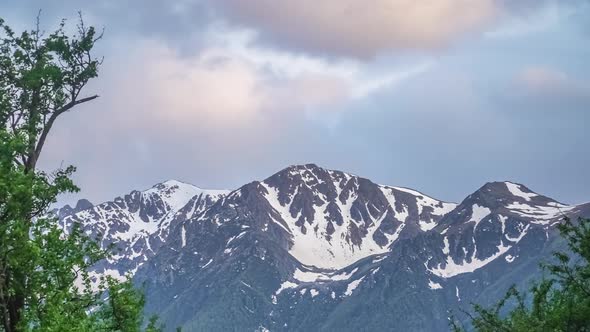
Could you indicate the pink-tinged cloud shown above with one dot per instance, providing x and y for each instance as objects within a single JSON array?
[
  {"x": 537, "y": 77},
  {"x": 546, "y": 82},
  {"x": 359, "y": 28},
  {"x": 229, "y": 87}
]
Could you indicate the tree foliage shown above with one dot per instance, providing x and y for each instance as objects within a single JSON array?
[
  {"x": 558, "y": 303},
  {"x": 45, "y": 284}
]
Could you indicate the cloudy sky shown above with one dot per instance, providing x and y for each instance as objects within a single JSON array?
[{"x": 437, "y": 95}]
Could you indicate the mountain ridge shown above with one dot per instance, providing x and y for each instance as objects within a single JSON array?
[{"x": 309, "y": 242}]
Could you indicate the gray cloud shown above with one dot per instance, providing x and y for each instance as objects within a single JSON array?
[
  {"x": 351, "y": 28},
  {"x": 446, "y": 144},
  {"x": 356, "y": 28},
  {"x": 547, "y": 84},
  {"x": 177, "y": 101},
  {"x": 359, "y": 28}
]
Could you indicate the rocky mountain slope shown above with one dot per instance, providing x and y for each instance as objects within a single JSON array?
[
  {"x": 316, "y": 249},
  {"x": 138, "y": 224}
]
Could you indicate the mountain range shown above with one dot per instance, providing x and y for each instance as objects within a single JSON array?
[{"x": 312, "y": 249}]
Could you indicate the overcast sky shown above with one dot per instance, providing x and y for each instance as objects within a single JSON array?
[{"x": 437, "y": 95}]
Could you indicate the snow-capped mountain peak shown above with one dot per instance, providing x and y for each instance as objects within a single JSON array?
[
  {"x": 309, "y": 237},
  {"x": 510, "y": 198},
  {"x": 176, "y": 194},
  {"x": 140, "y": 222},
  {"x": 491, "y": 221},
  {"x": 335, "y": 218}
]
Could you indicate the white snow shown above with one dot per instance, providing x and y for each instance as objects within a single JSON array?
[
  {"x": 314, "y": 293},
  {"x": 245, "y": 284},
  {"x": 306, "y": 276},
  {"x": 310, "y": 276},
  {"x": 232, "y": 238},
  {"x": 343, "y": 275},
  {"x": 393, "y": 237},
  {"x": 542, "y": 214},
  {"x": 114, "y": 274},
  {"x": 452, "y": 269},
  {"x": 377, "y": 260},
  {"x": 352, "y": 286},
  {"x": 478, "y": 213},
  {"x": 285, "y": 285},
  {"x": 207, "y": 264},
  {"x": 457, "y": 293},
  {"x": 313, "y": 248},
  {"x": 115, "y": 221},
  {"x": 509, "y": 258},
  {"x": 446, "y": 248},
  {"x": 523, "y": 232},
  {"x": 137, "y": 227},
  {"x": 517, "y": 191},
  {"x": 434, "y": 285},
  {"x": 176, "y": 194},
  {"x": 503, "y": 222},
  {"x": 426, "y": 226},
  {"x": 439, "y": 208},
  {"x": 95, "y": 277}
]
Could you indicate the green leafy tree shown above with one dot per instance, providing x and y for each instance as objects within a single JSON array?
[
  {"x": 558, "y": 303},
  {"x": 44, "y": 280}
]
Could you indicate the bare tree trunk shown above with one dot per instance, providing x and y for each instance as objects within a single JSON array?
[
  {"x": 15, "y": 306},
  {"x": 8, "y": 314},
  {"x": 4, "y": 316}
]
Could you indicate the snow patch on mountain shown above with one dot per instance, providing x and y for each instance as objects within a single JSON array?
[
  {"x": 312, "y": 248},
  {"x": 175, "y": 194},
  {"x": 352, "y": 286},
  {"x": 446, "y": 248},
  {"x": 451, "y": 268},
  {"x": 311, "y": 276},
  {"x": 478, "y": 213},
  {"x": 331, "y": 221},
  {"x": 139, "y": 221},
  {"x": 541, "y": 214},
  {"x": 434, "y": 285},
  {"x": 286, "y": 285},
  {"x": 516, "y": 190},
  {"x": 439, "y": 208},
  {"x": 339, "y": 229}
]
